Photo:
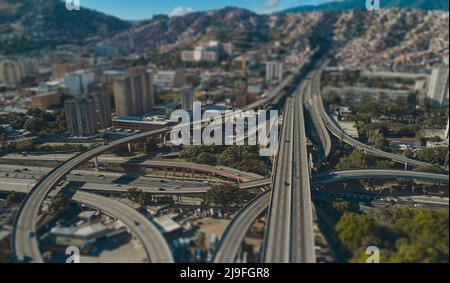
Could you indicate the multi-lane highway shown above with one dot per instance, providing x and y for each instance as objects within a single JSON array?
[
  {"x": 290, "y": 231},
  {"x": 25, "y": 222},
  {"x": 234, "y": 234},
  {"x": 220, "y": 171},
  {"x": 26, "y": 248},
  {"x": 236, "y": 230},
  {"x": 155, "y": 246},
  {"x": 104, "y": 186},
  {"x": 302, "y": 231},
  {"x": 315, "y": 106},
  {"x": 153, "y": 242},
  {"x": 277, "y": 245},
  {"x": 341, "y": 135},
  {"x": 346, "y": 175}
]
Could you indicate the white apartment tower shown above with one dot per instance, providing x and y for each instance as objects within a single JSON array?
[{"x": 438, "y": 87}]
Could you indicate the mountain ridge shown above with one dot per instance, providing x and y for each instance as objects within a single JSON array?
[
  {"x": 27, "y": 25},
  {"x": 360, "y": 4}
]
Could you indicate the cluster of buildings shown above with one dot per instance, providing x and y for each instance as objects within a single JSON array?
[
  {"x": 86, "y": 115},
  {"x": 438, "y": 86},
  {"x": 98, "y": 94},
  {"x": 133, "y": 93},
  {"x": 274, "y": 71},
  {"x": 211, "y": 51},
  {"x": 421, "y": 45},
  {"x": 432, "y": 89},
  {"x": 89, "y": 231},
  {"x": 13, "y": 72}
]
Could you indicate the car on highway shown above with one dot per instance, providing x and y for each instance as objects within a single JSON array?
[
  {"x": 162, "y": 181},
  {"x": 161, "y": 189},
  {"x": 31, "y": 234},
  {"x": 137, "y": 223},
  {"x": 177, "y": 188},
  {"x": 101, "y": 177},
  {"x": 77, "y": 174},
  {"x": 117, "y": 185},
  {"x": 205, "y": 182},
  {"x": 17, "y": 170}
]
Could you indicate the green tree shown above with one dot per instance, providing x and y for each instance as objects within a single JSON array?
[
  {"x": 134, "y": 194},
  {"x": 13, "y": 198},
  {"x": 433, "y": 155},
  {"x": 341, "y": 206},
  {"x": 206, "y": 158},
  {"x": 226, "y": 195},
  {"x": 354, "y": 161},
  {"x": 402, "y": 233},
  {"x": 357, "y": 231},
  {"x": 58, "y": 203},
  {"x": 34, "y": 124},
  {"x": 254, "y": 166}
]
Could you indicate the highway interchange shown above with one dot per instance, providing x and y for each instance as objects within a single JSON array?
[
  {"x": 27, "y": 249},
  {"x": 340, "y": 134},
  {"x": 289, "y": 235}
]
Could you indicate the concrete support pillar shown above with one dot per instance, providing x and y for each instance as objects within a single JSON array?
[
  {"x": 96, "y": 163},
  {"x": 446, "y": 162}
]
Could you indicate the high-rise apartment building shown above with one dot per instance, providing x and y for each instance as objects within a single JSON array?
[
  {"x": 10, "y": 73},
  {"x": 133, "y": 93},
  {"x": 274, "y": 71},
  {"x": 81, "y": 117},
  {"x": 187, "y": 98},
  {"x": 78, "y": 82},
  {"x": 102, "y": 105},
  {"x": 13, "y": 71},
  {"x": 438, "y": 88}
]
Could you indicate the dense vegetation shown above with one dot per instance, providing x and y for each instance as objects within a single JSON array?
[
  {"x": 138, "y": 196},
  {"x": 244, "y": 158},
  {"x": 403, "y": 234},
  {"x": 359, "y": 160},
  {"x": 227, "y": 195},
  {"x": 43, "y": 123}
]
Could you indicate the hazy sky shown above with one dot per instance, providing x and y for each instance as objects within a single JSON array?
[{"x": 144, "y": 9}]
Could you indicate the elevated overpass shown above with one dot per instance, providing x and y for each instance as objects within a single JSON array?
[
  {"x": 289, "y": 231},
  {"x": 25, "y": 222},
  {"x": 234, "y": 234},
  {"x": 277, "y": 244},
  {"x": 341, "y": 135},
  {"x": 155, "y": 246}
]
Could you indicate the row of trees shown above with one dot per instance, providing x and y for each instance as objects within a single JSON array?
[
  {"x": 30, "y": 146},
  {"x": 403, "y": 234},
  {"x": 244, "y": 158},
  {"x": 359, "y": 160},
  {"x": 138, "y": 196},
  {"x": 397, "y": 110},
  {"x": 227, "y": 195}
]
